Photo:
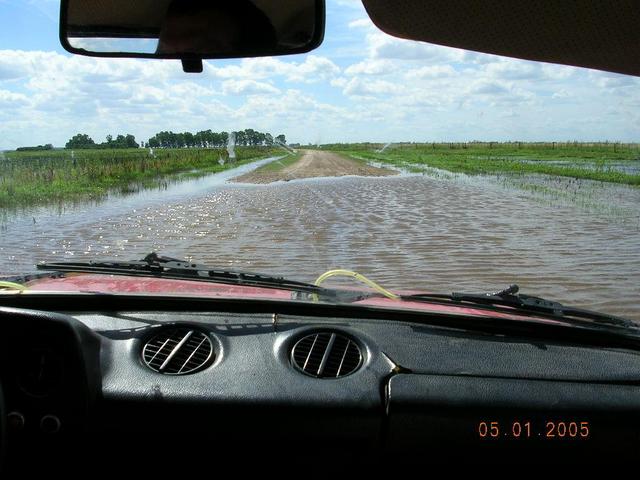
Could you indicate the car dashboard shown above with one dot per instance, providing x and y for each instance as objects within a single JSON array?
[{"x": 113, "y": 384}]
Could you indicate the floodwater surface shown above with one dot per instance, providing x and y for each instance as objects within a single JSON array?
[{"x": 407, "y": 231}]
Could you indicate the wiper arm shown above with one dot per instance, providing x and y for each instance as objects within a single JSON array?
[
  {"x": 509, "y": 297},
  {"x": 154, "y": 265}
]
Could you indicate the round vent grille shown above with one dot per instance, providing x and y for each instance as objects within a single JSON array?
[
  {"x": 178, "y": 351},
  {"x": 326, "y": 355}
]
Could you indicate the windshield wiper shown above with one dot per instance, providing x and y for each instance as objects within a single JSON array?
[
  {"x": 154, "y": 265},
  {"x": 507, "y": 300},
  {"x": 509, "y": 297}
]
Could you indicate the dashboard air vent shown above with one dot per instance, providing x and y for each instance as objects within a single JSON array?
[
  {"x": 326, "y": 355},
  {"x": 178, "y": 351}
]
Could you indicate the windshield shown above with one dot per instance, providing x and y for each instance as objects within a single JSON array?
[{"x": 423, "y": 168}]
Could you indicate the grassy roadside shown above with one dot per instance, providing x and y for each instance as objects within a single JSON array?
[
  {"x": 584, "y": 161},
  {"x": 39, "y": 178}
]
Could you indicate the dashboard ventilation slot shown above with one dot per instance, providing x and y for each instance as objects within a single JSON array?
[
  {"x": 326, "y": 355},
  {"x": 178, "y": 351}
]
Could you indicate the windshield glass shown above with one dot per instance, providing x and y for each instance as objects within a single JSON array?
[{"x": 423, "y": 168}]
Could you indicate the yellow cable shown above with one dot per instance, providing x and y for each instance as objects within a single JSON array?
[
  {"x": 357, "y": 276},
  {"x": 12, "y": 286}
]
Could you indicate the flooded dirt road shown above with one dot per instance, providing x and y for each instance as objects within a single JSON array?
[
  {"x": 405, "y": 231},
  {"x": 313, "y": 164}
]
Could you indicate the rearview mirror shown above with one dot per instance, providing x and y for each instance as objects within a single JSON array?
[{"x": 191, "y": 30}]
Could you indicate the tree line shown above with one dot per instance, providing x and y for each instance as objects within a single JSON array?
[
  {"x": 48, "y": 146},
  {"x": 82, "y": 140},
  {"x": 209, "y": 139},
  {"x": 202, "y": 139}
]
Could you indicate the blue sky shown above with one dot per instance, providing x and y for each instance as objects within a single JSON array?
[{"x": 360, "y": 85}]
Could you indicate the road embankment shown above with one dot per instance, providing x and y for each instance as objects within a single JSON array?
[{"x": 313, "y": 164}]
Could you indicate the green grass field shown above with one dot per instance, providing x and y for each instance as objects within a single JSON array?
[
  {"x": 39, "y": 178},
  {"x": 582, "y": 161}
]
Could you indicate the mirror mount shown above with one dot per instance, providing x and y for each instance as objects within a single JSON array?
[{"x": 192, "y": 65}]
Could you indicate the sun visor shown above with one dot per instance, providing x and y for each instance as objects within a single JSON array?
[{"x": 603, "y": 35}]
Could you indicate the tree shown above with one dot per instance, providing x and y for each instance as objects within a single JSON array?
[
  {"x": 251, "y": 137},
  {"x": 241, "y": 138},
  {"x": 281, "y": 139},
  {"x": 80, "y": 140},
  {"x": 189, "y": 140},
  {"x": 130, "y": 141}
]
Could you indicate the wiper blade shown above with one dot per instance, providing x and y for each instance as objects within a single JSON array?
[
  {"x": 154, "y": 265},
  {"x": 509, "y": 297}
]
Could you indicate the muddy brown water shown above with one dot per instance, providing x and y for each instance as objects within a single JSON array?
[{"x": 407, "y": 231}]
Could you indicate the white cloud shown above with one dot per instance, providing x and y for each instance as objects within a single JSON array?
[
  {"x": 562, "y": 93},
  {"x": 514, "y": 70},
  {"x": 365, "y": 88},
  {"x": 11, "y": 66},
  {"x": 9, "y": 99},
  {"x": 432, "y": 71},
  {"x": 45, "y": 97},
  {"x": 609, "y": 80},
  {"x": 313, "y": 69},
  {"x": 371, "y": 67},
  {"x": 247, "y": 87},
  {"x": 487, "y": 87},
  {"x": 385, "y": 46},
  {"x": 360, "y": 23},
  {"x": 560, "y": 72}
]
